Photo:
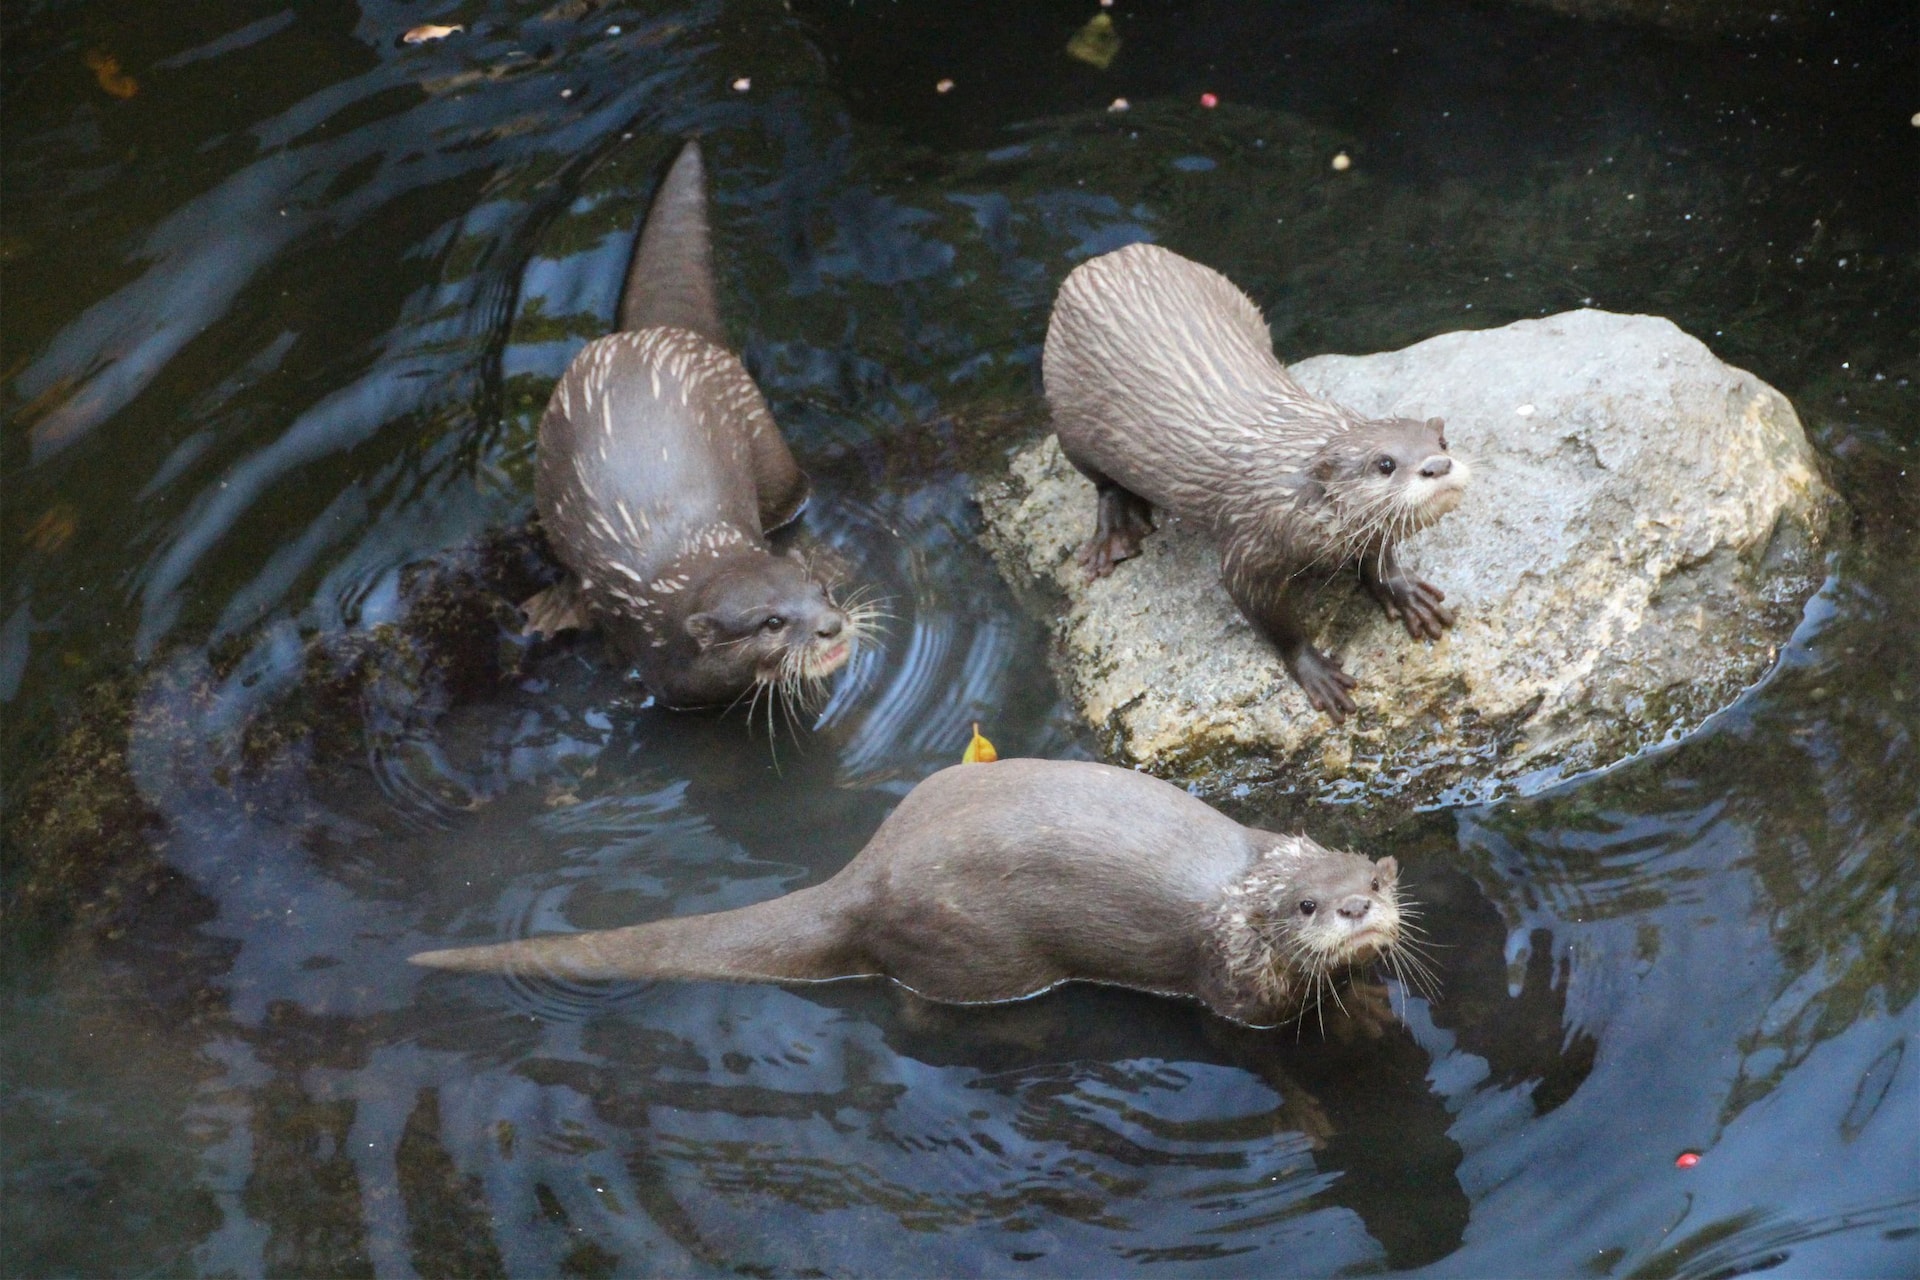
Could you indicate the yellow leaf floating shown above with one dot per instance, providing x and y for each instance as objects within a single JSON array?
[
  {"x": 430, "y": 31},
  {"x": 106, "y": 69},
  {"x": 1097, "y": 44},
  {"x": 979, "y": 751}
]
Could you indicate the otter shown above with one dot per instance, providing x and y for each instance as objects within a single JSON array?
[
  {"x": 1165, "y": 392},
  {"x": 659, "y": 473},
  {"x": 994, "y": 882}
]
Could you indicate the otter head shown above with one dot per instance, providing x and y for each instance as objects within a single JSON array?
[
  {"x": 1299, "y": 915},
  {"x": 1389, "y": 477},
  {"x": 763, "y": 619},
  {"x": 1339, "y": 909}
]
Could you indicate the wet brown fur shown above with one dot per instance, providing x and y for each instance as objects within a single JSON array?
[
  {"x": 993, "y": 882},
  {"x": 1165, "y": 392},
  {"x": 660, "y": 472}
]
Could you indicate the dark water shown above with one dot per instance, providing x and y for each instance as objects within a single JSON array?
[{"x": 277, "y": 326}]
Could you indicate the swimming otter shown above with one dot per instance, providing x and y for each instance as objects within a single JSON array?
[
  {"x": 1165, "y": 392},
  {"x": 660, "y": 472},
  {"x": 992, "y": 882}
]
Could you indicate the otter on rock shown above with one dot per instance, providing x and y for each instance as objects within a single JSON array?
[
  {"x": 994, "y": 882},
  {"x": 1166, "y": 393},
  {"x": 659, "y": 472}
]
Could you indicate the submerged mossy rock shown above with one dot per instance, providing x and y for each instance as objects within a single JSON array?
[{"x": 1643, "y": 528}]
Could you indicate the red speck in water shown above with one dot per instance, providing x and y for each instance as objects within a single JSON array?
[
  {"x": 1209, "y": 101},
  {"x": 1687, "y": 1160}
]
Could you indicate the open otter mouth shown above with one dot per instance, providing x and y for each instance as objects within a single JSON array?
[
  {"x": 825, "y": 661},
  {"x": 814, "y": 661},
  {"x": 830, "y": 661}
]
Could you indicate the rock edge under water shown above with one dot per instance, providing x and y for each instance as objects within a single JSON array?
[{"x": 1643, "y": 530}]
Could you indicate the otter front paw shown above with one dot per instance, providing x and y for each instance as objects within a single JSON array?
[
  {"x": 1324, "y": 683},
  {"x": 1415, "y": 603}
]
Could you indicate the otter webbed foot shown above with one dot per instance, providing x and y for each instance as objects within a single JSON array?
[
  {"x": 1103, "y": 551},
  {"x": 1124, "y": 519},
  {"x": 1412, "y": 602},
  {"x": 1324, "y": 683}
]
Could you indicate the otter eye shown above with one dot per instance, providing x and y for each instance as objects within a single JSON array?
[
  {"x": 775, "y": 623},
  {"x": 1308, "y": 906},
  {"x": 1383, "y": 465}
]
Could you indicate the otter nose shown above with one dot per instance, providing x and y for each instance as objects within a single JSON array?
[
  {"x": 830, "y": 628},
  {"x": 1356, "y": 907},
  {"x": 1435, "y": 467}
]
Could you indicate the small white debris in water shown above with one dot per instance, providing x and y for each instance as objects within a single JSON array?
[
  {"x": 1119, "y": 104},
  {"x": 613, "y": 31},
  {"x": 743, "y": 84},
  {"x": 1916, "y": 119},
  {"x": 566, "y": 93},
  {"x": 1525, "y": 411},
  {"x": 1343, "y": 162},
  {"x": 943, "y": 86}
]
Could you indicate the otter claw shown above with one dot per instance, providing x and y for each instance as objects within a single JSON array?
[
  {"x": 1100, "y": 555},
  {"x": 1326, "y": 685},
  {"x": 1417, "y": 605}
]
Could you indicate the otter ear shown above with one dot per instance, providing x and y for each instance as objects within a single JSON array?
[
  {"x": 1389, "y": 868},
  {"x": 704, "y": 628}
]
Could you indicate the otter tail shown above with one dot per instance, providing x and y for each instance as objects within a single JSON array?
[
  {"x": 671, "y": 279},
  {"x": 801, "y": 937}
]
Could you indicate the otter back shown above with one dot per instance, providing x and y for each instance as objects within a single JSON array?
[{"x": 1161, "y": 375}]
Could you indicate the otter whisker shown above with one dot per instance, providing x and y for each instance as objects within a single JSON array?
[
  {"x": 759, "y": 689},
  {"x": 1412, "y": 983},
  {"x": 1400, "y": 980},
  {"x": 862, "y": 597},
  {"x": 1333, "y": 989},
  {"x": 1407, "y": 920},
  {"x": 1424, "y": 979},
  {"x": 772, "y": 734},
  {"x": 1415, "y": 950},
  {"x": 726, "y": 710}
]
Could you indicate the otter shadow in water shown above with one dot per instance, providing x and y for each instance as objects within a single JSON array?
[
  {"x": 1523, "y": 1036},
  {"x": 1352, "y": 1105}
]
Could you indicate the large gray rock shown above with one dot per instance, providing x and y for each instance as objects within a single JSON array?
[{"x": 1642, "y": 531}]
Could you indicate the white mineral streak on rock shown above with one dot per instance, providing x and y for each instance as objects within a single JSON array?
[{"x": 1629, "y": 558}]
